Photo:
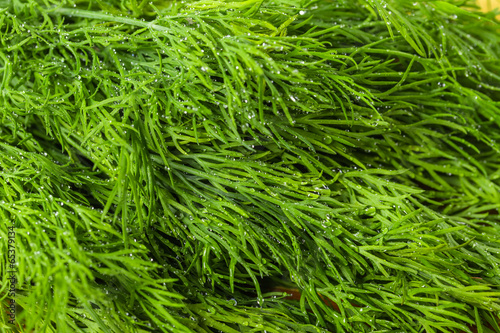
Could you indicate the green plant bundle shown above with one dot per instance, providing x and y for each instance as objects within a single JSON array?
[{"x": 183, "y": 166}]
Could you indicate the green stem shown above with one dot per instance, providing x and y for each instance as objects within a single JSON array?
[{"x": 108, "y": 17}]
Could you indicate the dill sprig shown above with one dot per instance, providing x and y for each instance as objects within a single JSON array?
[{"x": 182, "y": 166}]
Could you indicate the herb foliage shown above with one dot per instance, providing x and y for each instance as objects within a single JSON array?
[{"x": 168, "y": 164}]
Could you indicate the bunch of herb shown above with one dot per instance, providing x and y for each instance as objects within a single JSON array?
[{"x": 182, "y": 166}]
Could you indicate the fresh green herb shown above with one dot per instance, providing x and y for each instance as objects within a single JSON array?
[{"x": 173, "y": 166}]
